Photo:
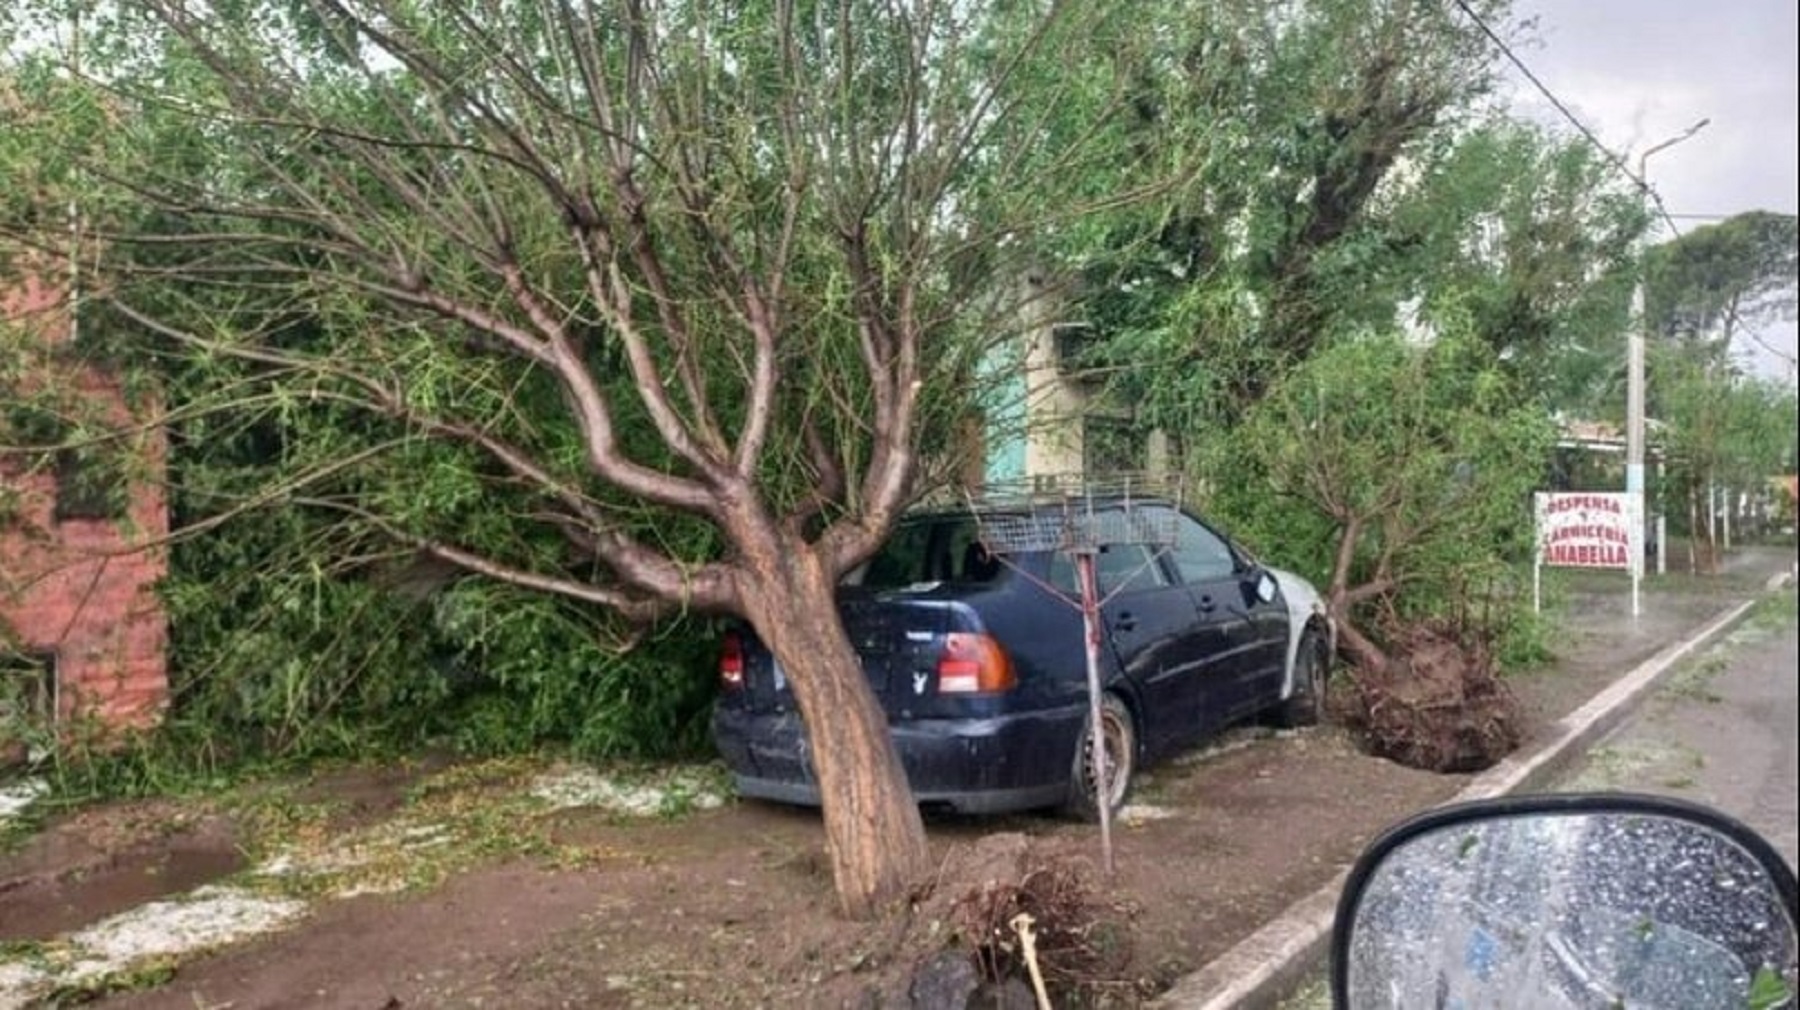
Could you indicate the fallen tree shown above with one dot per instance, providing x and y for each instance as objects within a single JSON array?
[{"x": 1416, "y": 461}]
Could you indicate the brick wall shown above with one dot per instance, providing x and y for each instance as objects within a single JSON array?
[{"x": 78, "y": 589}]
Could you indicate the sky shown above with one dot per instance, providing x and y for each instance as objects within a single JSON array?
[{"x": 1639, "y": 72}]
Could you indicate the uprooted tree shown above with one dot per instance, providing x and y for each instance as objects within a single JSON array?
[
  {"x": 1418, "y": 460},
  {"x": 611, "y": 271}
]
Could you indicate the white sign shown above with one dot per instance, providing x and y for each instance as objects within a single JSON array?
[
  {"x": 1592, "y": 529},
  {"x": 1589, "y": 530}
]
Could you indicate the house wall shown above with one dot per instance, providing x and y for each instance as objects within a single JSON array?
[
  {"x": 1054, "y": 408},
  {"x": 1040, "y": 425},
  {"x": 78, "y": 589}
]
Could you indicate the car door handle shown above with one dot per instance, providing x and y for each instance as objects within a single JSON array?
[
  {"x": 1125, "y": 622},
  {"x": 1207, "y": 604}
]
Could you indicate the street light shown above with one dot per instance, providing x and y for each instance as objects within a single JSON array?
[{"x": 1634, "y": 375}]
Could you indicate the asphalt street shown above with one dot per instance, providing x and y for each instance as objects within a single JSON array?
[{"x": 1723, "y": 731}]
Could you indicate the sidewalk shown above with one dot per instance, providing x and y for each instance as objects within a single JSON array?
[{"x": 1680, "y": 615}]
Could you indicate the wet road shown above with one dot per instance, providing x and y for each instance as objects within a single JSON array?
[{"x": 1725, "y": 731}]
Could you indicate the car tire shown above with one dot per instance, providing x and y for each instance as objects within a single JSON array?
[
  {"x": 1120, "y": 734},
  {"x": 1306, "y": 706}
]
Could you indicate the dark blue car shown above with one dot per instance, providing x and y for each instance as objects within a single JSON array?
[{"x": 979, "y": 664}]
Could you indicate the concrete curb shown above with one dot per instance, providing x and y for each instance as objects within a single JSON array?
[{"x": 1271, "y": 962}]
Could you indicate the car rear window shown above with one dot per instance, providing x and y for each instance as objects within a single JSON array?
[{"x": 946, "y": 549}]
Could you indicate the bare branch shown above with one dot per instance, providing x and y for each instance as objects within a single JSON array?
[{"x": 630, "y": 605}]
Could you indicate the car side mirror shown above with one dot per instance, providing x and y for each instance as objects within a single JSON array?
[{"x": 1595, "y": 900}]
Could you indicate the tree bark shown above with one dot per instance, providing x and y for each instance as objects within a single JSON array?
[
  {"x": 1341, "y": 599},
  {"x": 874, "y": 835},
  {"x": 1361, "y": 650}
]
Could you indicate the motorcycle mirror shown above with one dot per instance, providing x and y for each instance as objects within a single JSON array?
[{"x": 1593, "y": 900}]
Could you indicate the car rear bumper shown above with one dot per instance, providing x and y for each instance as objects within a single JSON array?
[{"x": 1013, "y": 762}]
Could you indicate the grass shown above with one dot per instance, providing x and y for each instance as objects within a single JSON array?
[
  {"x": 18, "y": 827},
  {"x": 1693, "y": 681},
  {"x": 1775, "y": 612},
  {"x": 1313, "y": 994},
  {"x": 146, "y": 974},
  {"x": 1620, "y": 765},
  {"x": 1770, "y": 616},
  {"x": 447, "y": 821}
]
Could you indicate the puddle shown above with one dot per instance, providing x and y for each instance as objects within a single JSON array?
[{"x": 44, "y": 907}]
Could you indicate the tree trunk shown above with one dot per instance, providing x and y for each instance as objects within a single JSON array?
[
  {"x": 1340, "y": 601},
  {"x": 1362, "y": 651},
  {"x": 1693, "y": 498},
  {"x": 874, "y": 835}
]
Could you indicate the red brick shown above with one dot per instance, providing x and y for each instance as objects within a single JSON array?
[{"x": 84, "y": 589}]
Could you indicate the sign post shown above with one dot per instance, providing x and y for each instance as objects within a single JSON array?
[{"x": 1589, "y": 529}]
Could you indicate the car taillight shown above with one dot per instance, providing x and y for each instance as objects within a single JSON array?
[
  {"x": 731, "y": 660},
  {"x": 974, "y": 664}
]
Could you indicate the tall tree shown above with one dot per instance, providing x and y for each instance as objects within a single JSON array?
[
  {"x": 1314, "y": 113},
  {"x": 646, "y": 267},
  {"x": 1702, "y": 287},
  {"x": 1369, "y": 296},
  {"x": 1724, "y": 431},
  {"x": 1533, "y": 235}
]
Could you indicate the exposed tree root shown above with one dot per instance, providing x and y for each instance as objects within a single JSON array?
[
  {"x": 1438, "y": 703},
  {"x": 1082, "y": 939}
]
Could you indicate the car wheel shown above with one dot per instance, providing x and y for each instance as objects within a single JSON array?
[
  {"x": 1119, "y": 734},
  {"x": 1306, "y": 706}
]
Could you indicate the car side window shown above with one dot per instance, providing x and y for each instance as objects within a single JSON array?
[
  {"x": 974, "y": 562},
  {"x": 1200, "y": 554},
  {"x": 1127, "y": 568}
]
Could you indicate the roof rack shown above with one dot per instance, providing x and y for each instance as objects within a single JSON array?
[{"x": 1068, "y": 512}]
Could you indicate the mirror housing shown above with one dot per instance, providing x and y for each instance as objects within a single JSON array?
[{"x": 1569, "y": 900}]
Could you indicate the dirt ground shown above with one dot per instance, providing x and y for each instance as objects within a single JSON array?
[{"x": 732, "y": 907}]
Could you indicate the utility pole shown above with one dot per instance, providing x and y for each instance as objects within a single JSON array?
[{"x": 1634, "y": 363}]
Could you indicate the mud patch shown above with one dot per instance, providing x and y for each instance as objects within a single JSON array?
[
  {"x": 41, "y": 908},
  {"x": 147, "y": 936}
]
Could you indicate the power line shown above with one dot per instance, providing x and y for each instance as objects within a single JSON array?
[
  {"x": 1618, "y": 162},
  {"x": 1764, "y": 344}
]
